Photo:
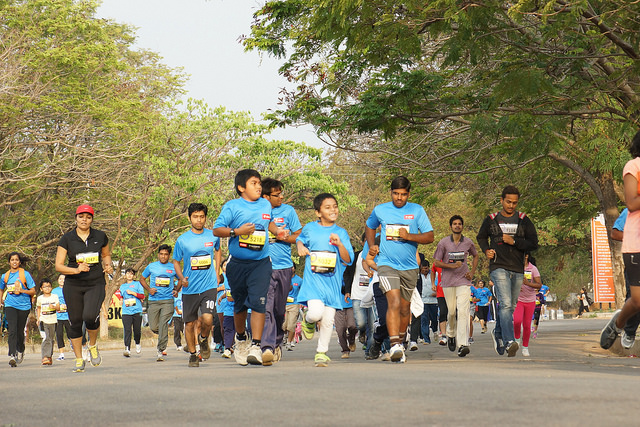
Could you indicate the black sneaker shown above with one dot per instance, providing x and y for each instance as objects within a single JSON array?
[
  {"x": 610, "y": 332},
  {"x": 512, "y": 348},
  {"x": 451, "y": 343},
  {"x": 194, "y": 361},
  {"x": 374, "y": 351},
  {"x": 463, "y": 351},
  {"x": 205, "y": 350},
  {"x": 497, "y": 343}
]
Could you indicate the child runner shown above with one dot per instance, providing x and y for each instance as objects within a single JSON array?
[
  {"x": 46, "y": 305},
  {"x": 346, "y": 327},
  {"x": 62, "y": 317},
  {"x": 328, "y": 250},
  {"x": 229, "y": 329},
  {"x": 293, "y": 310},
  {"x": 178, "y": 325},
  {"x": 526, "y": 303},
  {"x": 132, "y": 294}
]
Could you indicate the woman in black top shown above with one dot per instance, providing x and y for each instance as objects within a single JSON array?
[{"x": 89, "y": 258}]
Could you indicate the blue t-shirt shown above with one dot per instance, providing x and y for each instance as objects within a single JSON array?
[
  {"x": 483, "y": 295},
  {"x": 130, "y": 303},
  {"x": 395, "y": 252},
  {"x": 196, "y": 251},
  {"x": 238, "y": 212},
  {"x": 280, "y": 252},
  {"x": 230, "y": 305},
  {"x": 347, "y": 304},
  {"x": 62, "y": 313},
  {"x": 292, "y": 298},
  {"x": 177, "y": 303},
  {"x": 162, "y": 278},
  {"x": 323, "y": 268},
  {"x": 20, "y": 301},
  {"x": 622, "y": 220},
  {"x": 544, "y": 288}
]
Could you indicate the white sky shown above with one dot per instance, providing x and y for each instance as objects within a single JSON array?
[{"x": 201, "y": 36}]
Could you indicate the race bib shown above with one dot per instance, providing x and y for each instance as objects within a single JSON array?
[
  {"x": 509, "y": 229},
  {"x": 11, "y": 288},
  {"x": 363, "y": 280},
  {"x": 228, "y": 293},
  {"x": 47, "y": 309},
  {"x": 393, "y": 231},
  {"x": 528, "y": 275},
  {"x": 456, "y": 256},
  {"x": 272, "y": 238},
  {"x": 63, "y": 308},
  {"x": 323, "y": 261},
  {"x": 164, "y": 282},
  {"x": 201, "y": 262},
  {"x": 290, "y": 299},
  {"x": 129, "y": 302},
  {"x": 255, "y": 241},
  {"x": 88, "y": 257}
]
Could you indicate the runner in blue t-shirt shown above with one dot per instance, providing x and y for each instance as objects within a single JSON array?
[
  {"x": 292, "y": 310},
  {"x": 162, "y": 275},
  {"x": 178, "y": 324},
  {"x": 280, "y": 252},
  {"x": 403, "y": 227},
  {"x": 199, "y": 251},
  {"x": 246, "y": 221},
  {"x": 132, "y": 294},
  {"x": 63, "y": 317}
]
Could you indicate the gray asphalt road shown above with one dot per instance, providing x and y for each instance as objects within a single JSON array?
[{"x": 567, "y": 381}]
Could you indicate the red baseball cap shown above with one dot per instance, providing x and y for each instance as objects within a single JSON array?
[{"x": 84, "y": 209}]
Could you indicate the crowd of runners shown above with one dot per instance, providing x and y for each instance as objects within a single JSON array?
[{"x": 388, "y": 296}]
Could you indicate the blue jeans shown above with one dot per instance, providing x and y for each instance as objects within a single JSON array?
[
  {"x": 364, "y": 320},
  {"x": 429, "y": 318},
  {"x": 507, "y": 286}
]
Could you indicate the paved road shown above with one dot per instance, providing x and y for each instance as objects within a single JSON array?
[{"x": 567, "y": 381}]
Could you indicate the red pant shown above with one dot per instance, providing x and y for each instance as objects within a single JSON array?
[{"x": 522, "y": 321}]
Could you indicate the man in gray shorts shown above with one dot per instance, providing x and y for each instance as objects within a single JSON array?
[{"x": 403, "y": 226}]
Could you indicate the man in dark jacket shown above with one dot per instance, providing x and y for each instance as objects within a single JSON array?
[{"x": 504, "y": 237}]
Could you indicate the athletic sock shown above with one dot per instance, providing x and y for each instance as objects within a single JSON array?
[
  {"x": 242, "y": 336},
  {"x": 255, "y": 342}
]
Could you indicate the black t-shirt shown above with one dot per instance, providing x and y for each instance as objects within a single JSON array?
[{"x": 90, "y": 251}]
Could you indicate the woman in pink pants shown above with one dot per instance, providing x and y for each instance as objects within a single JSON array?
[{"x": 526, "y": 304}]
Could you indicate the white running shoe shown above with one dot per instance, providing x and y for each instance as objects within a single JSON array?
[
  {"x": 396, "y": 353},
  {"x": 255, "y": 355},
  {"x": 413, "y": 346},
  {"x": 241, "y": 350},
  {"x": 525, "y": 352},
  {"x": 138, "y": 348}
]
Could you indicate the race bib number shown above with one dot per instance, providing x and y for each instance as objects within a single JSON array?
[
  {"x": 528, "y": 275},
  {"x": 129, "y": 302},
  {"x": 254, "y": 241},
  {"x": 323, "y": 261},
  {"x": 509, "y": 229},
  {"x": 456, "y": 256},
  {"x": 393, "y": 231},
  {"x": 88, "y": 257},
  {"x": 272, "y": 238},
  {"x": 201, "y": 262},
  {"x": 290, "y": 299},
  {"x": 11, "y": 288},
  {"x": 228, "y": 293},
  {"x": 63, "y": 308},
  {"x": 363, "y": 280},
  {"x": 164, "y": 282},
  {"x": 47, "y": 309}
]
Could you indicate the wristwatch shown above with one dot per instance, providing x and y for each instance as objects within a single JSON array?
[{"x": 232, "y": 233}]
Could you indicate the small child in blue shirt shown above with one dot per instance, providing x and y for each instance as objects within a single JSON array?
[{"x": 132, "y": 294}]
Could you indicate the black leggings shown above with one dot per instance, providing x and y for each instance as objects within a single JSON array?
[
  {"x": 83, "y": 305},
  {"x": 444, "y": 311},
  {"x": 17, "y": 319},
  {"x": 130, "y": 321},
  {"x": 60, "y": 327}
]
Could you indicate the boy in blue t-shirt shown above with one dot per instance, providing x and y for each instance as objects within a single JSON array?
[
  {"x": 132, "y": 294},
  {"x": 328, "y": 250},
  {"x": 199, "y": 251},
  {"x": 178, "y": 325},
  {"x": 293, "y": 309},
  {"x": 246, "y": 221}
]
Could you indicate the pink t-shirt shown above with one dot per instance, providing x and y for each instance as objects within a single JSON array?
[
  {"x": 631, "y": 239},
  {"x": 527, "y": 293}
]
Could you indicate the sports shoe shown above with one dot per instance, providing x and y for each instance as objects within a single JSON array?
[
  {"x": 205, "y": 350},
  {"x": 403, "y": 359},
  {"x": 160, "y": 357},
  {"x": 46, "y": 361},
  {"x": 525, "y": 352},
  {"x": 443, "y": 340},
  {"x": 396, "y": 352},
  {"x": 267, "y": 357},
  {"x": 471, "y": 341},
  {"x": 79, "y": 365},
  {"x": 484, "y": 330},
  {"x": 627, "y": 341},
  {"x": 85, "y": 353},
  {"x": 512, "y": 348},
  {"x": 352, "y": 346},
  {"x": 226, "y": 353},
  {"x": 179, "y": 348},
  {"x": 535, "y": 335},
  {"x": 386, "y": 357},
  {"x": 288, "y": 346},
  {"x": 610, "y": 332},
  {"x": 451, "y": 343},
  {"x": 255, "y": 355},
  {"x": 61, "y": 357},
  {"x": 345, "y": 355},
  {"x": 463, "y": 351},
  {"x": 194, "y": 361},
  {"x": 241, "y": 349},
  {"x": 12, "y": 362},
  {"x": 413, "y": 346},
  {"x": 20, "y": 358},
  {"x": 126, "y": 352},
  {"x": 308, "y": 329},
  {"x": 321, "y": 360},
  {"x": 374, "y": 351},
  {"x": 497, "y": 343},
  {"x": 293, "y": 343},
  {"x": 94, "y": 356},
  {"x": 277, "y": 354},
  {"x": 138, "y": 348},
  {"x": 362, "y": 338}
]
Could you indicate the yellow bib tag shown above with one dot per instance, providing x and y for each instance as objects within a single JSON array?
[
  {"x": 11, "y": 288},
  {"x": 202, "y": 262},
  {"x": 88, "y": 257},
  {"x": 290, "y": 299},
  {"x": 164, "y": 282},
  {"x": 63, "y": 308},
  {"x": 254, "y": 241},
  {"x": 47, "y": 309},
  {"x": 323, "y": 261},
  {"x": 528, "y": 275},
  {"x": 393, "y": 231},
  {"x": 272, "y": 238},
  {"x": 129, "y": 302}
]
